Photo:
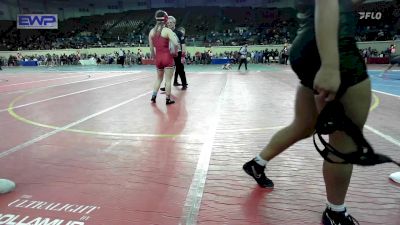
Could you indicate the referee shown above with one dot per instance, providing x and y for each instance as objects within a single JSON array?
[
  {"x": 243, "y": 56},
  {"x": 180, "y": 69}
]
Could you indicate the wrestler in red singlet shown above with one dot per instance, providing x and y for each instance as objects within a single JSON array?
[
  {"x": 160, "y": 38},
  {"x": 163, "y": 58}
]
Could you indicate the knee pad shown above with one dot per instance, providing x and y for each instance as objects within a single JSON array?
[{"x": 333, "y": 118}]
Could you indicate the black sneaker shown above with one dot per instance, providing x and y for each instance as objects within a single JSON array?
[
  {"x": 330, "y": 217},
  {"x": 162, "y": 89},
  {"x": 169, "y": 101},
  {"x": 253, "y": 169},
  {"x": 153, "y": 98},
  {"x": 177, "y": 84}
]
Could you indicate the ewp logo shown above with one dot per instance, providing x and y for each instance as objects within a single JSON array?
[{"x": 37, "y": 21}]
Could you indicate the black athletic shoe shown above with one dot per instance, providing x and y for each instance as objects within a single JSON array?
[
  {"x": 162, "y": 89},
  {"x": 253, "y": 169},
  {"x": 153, "y": 98},
  {"x": 177, "y": 84},
  {"x": 330, "y": 217},
  {"x": 169, "y": 101}
]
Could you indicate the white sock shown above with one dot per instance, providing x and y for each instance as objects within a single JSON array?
[
  {"x": 260, "y": 161},
  {"x": 336, "y": 208}
]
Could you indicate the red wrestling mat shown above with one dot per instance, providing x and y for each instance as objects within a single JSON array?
[{"x": 93, "y": 150}]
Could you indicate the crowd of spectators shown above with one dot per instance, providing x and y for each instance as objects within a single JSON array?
[
  {"x": 132, "y": 57},
  {"x": 205, "y": 26},
  {"x": 266, "y": 56}
]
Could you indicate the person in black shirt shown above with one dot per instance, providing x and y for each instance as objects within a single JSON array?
[
  {"x": 325, "y": 58},
  {"x": 180, "y": 69}
]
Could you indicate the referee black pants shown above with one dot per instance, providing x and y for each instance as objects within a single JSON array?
[
  {"x": 243, "y": 60},
  {"x": 179, "y": 70}
]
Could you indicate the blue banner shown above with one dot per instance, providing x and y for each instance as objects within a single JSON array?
[{"x": 37, "y": 21}]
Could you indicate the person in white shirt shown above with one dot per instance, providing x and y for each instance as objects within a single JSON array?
[{"x": 121, "y": 55}]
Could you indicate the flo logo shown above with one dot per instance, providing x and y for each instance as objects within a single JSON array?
[{"x": 370, "y": 15}]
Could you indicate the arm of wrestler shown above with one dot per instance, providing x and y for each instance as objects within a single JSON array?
[
  {"x": 327, "y": 80},
  {"x": 152, "y": 52},
  {"x": 183, "y": 50},
  {"x": 172, "y": 37}
]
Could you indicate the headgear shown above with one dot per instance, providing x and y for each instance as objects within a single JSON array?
[
  {"x": 161, "y": 16},
  {"x": 333, "y": 118}
]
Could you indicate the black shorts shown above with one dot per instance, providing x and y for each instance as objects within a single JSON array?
[{"x": 305, "y": 61}]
